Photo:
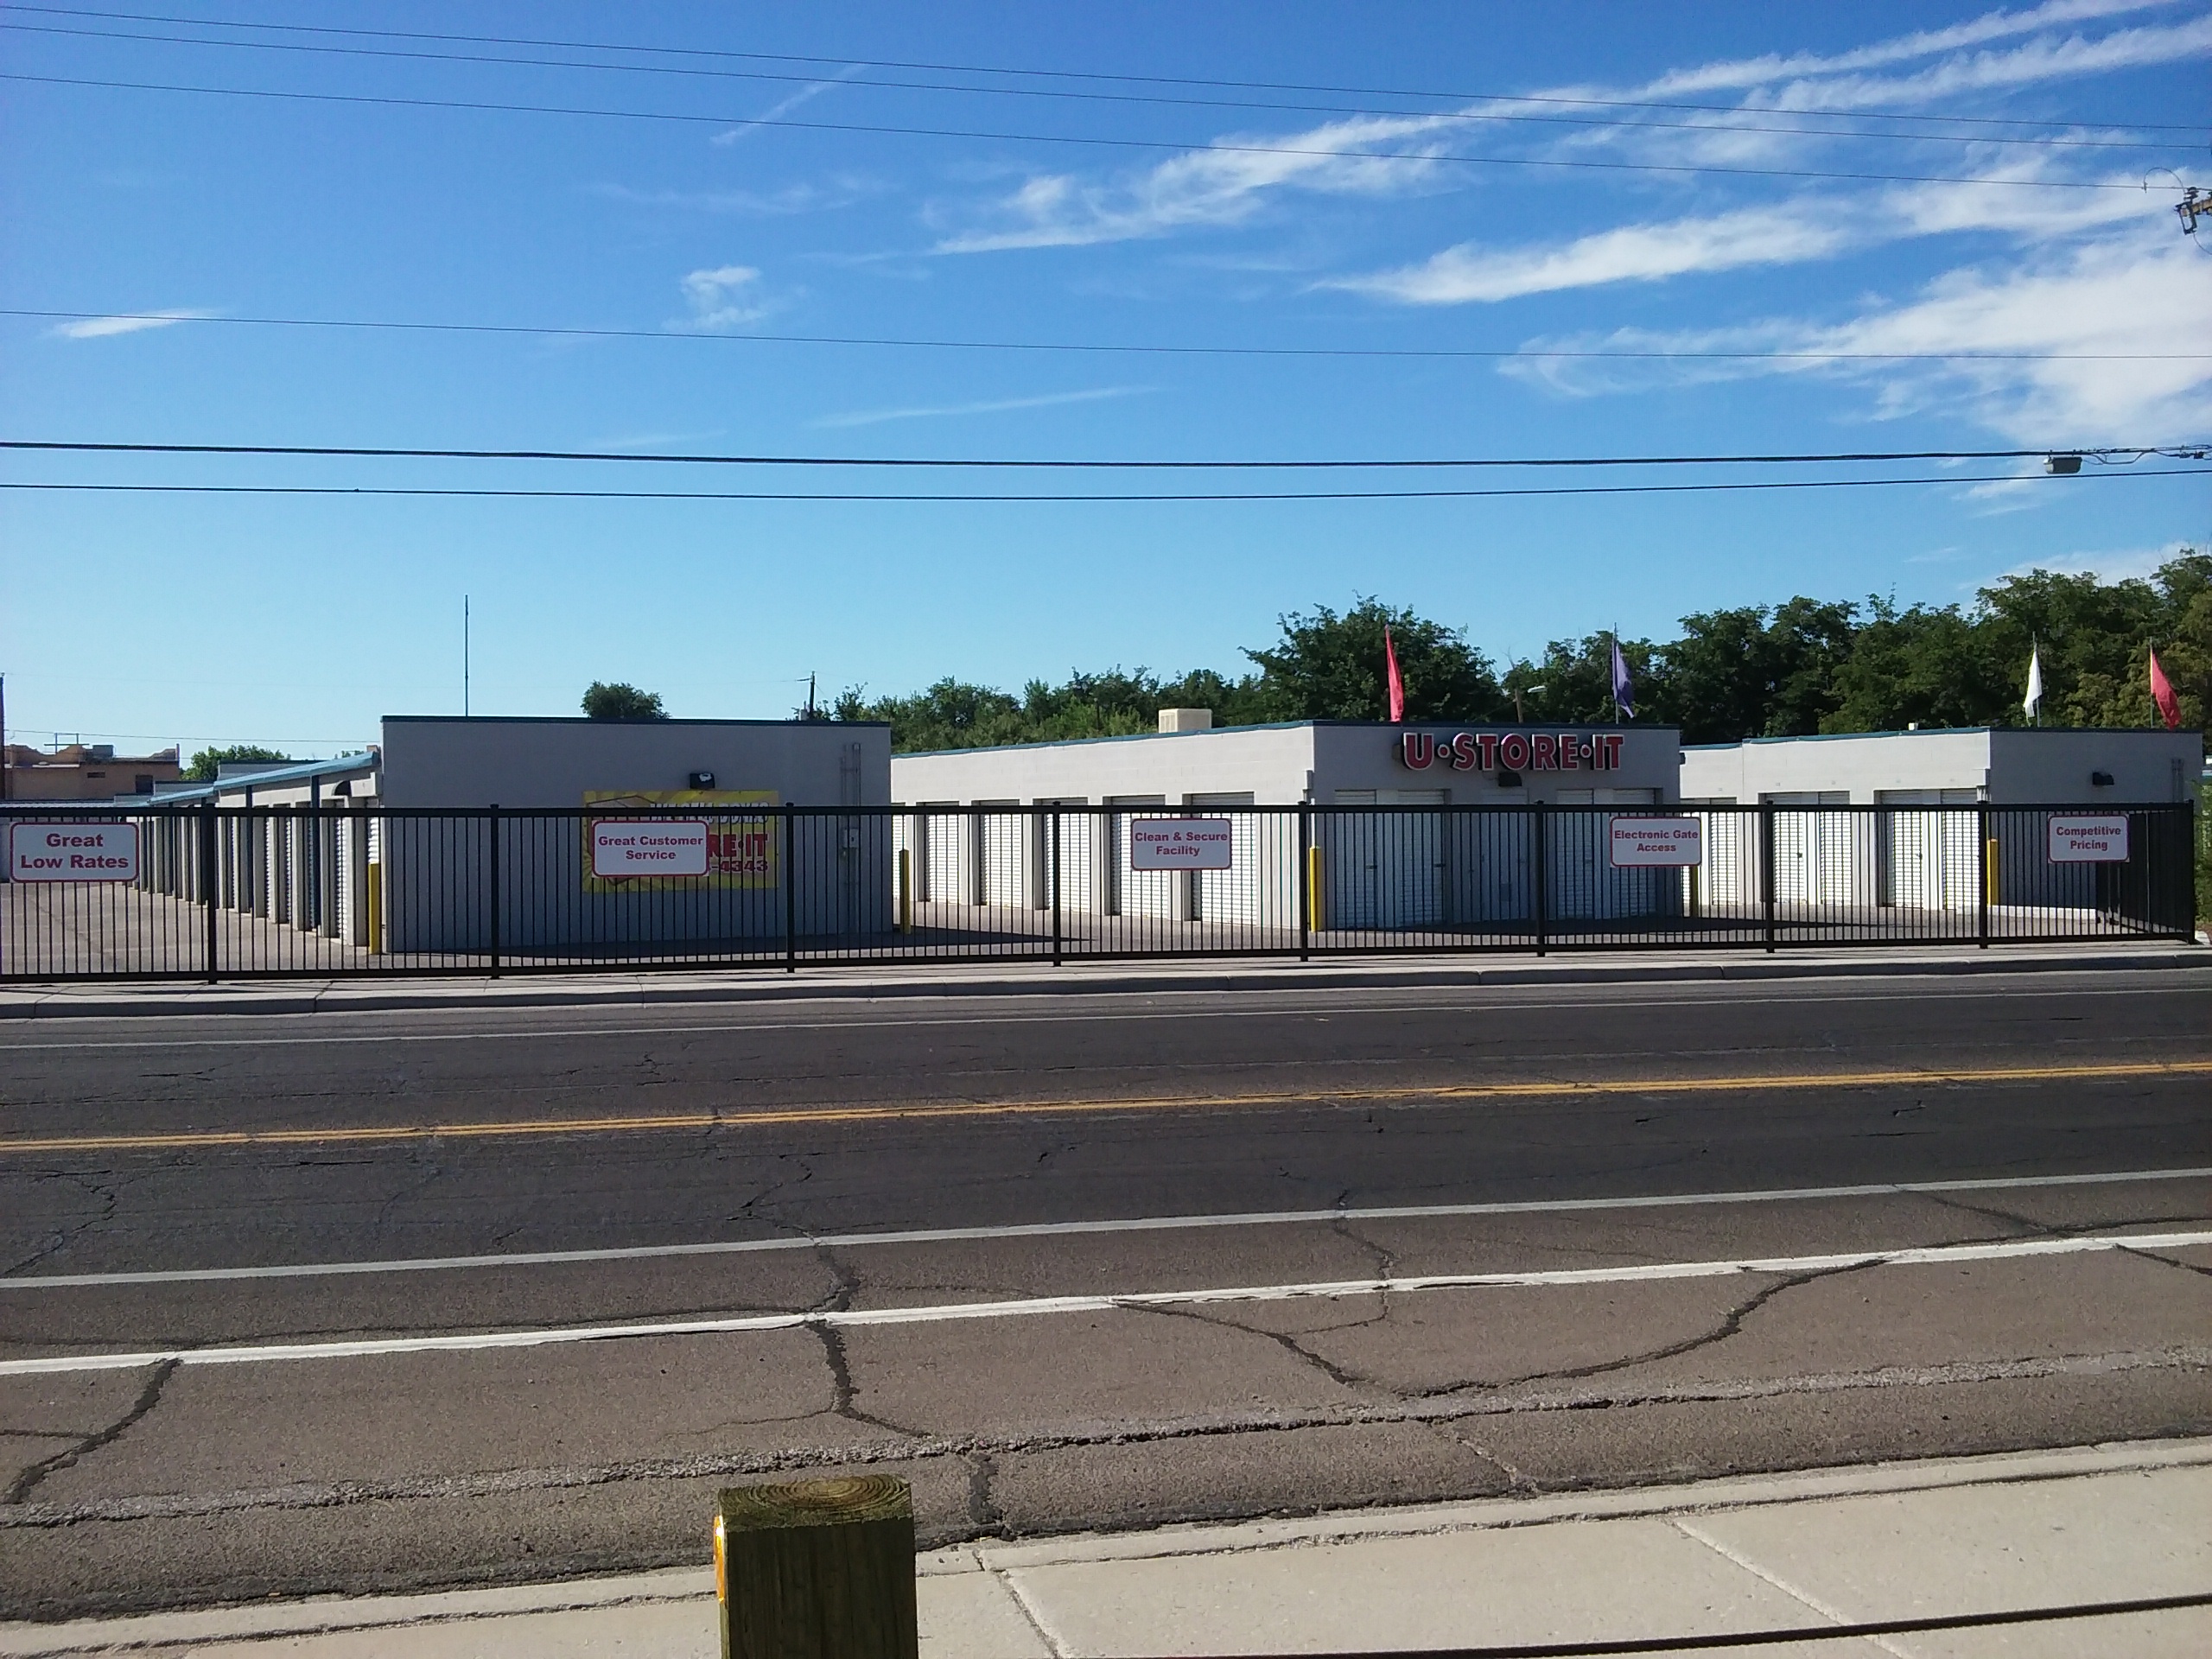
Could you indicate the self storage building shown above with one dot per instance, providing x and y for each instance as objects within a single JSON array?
[
  {"x": 1075, "y": 823},
  {"x": 1941, "y": 820}
]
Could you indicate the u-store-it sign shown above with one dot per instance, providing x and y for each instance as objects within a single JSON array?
[{"x": 1511, "y": 751}]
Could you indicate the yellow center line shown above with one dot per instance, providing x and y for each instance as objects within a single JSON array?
[{"x": 902, "y": 1111}]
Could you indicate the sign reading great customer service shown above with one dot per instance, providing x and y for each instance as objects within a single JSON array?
[
  {"x": 1511, "y": 751},
  {"x": 628, "y": 852},
  {"x": 625, "y": 847},
  {"x": 1179, "y": 844},
  {"x": 72, "y": 852}
]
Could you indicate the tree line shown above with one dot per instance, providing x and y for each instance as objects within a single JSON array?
[{"x": 1791, "y": 670}]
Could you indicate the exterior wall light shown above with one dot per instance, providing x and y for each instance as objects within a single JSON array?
[{"x": 699, "y": 780}]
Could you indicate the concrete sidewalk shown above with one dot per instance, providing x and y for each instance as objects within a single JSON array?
[
  {"x": 1901, "y": 1540},
  {"x": 112, "y": 999}
]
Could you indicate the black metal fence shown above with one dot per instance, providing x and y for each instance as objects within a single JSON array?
[{"x": 215, "y": 892}]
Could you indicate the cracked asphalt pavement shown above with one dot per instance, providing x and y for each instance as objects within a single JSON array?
[{"x": 363, "y": 1302}]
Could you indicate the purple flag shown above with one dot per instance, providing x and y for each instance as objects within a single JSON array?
[{"x": 1621, "y": 689}]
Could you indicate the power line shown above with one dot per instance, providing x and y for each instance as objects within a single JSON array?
[
  {"x": 1069, "y": 496},
  {"x": 2114, "y": 453},
  {"x": 1152, "y": 98},
  {"x": 1500, "y": 354},
  {"x": 1099, "y": 75},
  {"x": 485, "y": 107}
]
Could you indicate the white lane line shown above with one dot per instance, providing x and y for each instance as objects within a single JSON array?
[
  {"x": 1075, "y": 1229},
  {"x": 1027, "y": 1307},
  {"x": 1334, "y": 1009}
]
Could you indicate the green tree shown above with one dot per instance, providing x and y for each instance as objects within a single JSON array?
[
  {"x": 206, "y": 761},
  {"x": 1929, "y": 666},
  {"x": 1331, "y": 667},
  {"x": 621, "y": 702},
  {"x": 1754, "y": 671},
  {"x": 952, "y": 715},
  {"x": 1573, "y": 684}
]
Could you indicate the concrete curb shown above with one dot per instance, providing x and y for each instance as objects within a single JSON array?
[
  {"x": 188, "y": 1630},
  {"x": 352, "y": 995}
]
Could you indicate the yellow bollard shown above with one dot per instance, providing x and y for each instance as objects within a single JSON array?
[
  {"x": 376, "y": 910},
  {"x": 1313, "y": 888},
  {"x": 905, "y": 890}
]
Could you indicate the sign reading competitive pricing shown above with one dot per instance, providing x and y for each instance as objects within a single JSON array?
[
  {"x": 1657, "y": 843},
  {"x": 1179, "y": 844},
  {"x": 627, "y": 846},
  {"x": 2101, "y": 839},
  {"x": 72, "y": 852}
]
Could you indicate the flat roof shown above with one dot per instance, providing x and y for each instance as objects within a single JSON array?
[
  {"x": 1962, "y": 731},
  {"x": 1285, "y": 725},
  {"x": 586, "y": 720}
]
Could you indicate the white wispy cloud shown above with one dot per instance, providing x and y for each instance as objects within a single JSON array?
[
  {"x": 783, "y": 107},
  {"x": 1792, "y": 231},
  {"x": 1470, "y": 273},
  {"x": 135, "y": 322},
  {"x": 2129, "y": 563},
  {"x": 2087, "y": 331},
  {"x": 715, "y": 297},
  {"x": 1222, "y": 184},
  {"x": 806, "y": 196},
  {"x": 1802, "y": 67},
  {"x": 996, "y": 406},
  {"x": 1215, "y": 186}
]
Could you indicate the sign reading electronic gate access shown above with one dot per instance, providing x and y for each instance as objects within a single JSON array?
[
  {"x": 1512, "y": 751},
  {"x": 1178, "y": 844},
  {"x": 72, "y": 852},
  {"x": 1656, "y": 843}
]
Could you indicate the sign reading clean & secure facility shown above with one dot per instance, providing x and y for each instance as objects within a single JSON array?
[{"x": 1178, "y": 844}]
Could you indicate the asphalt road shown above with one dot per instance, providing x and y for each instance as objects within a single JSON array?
[{"x": 348, "y": 1302}]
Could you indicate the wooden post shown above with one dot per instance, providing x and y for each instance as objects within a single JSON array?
[{"x": 823, "y": 1569}]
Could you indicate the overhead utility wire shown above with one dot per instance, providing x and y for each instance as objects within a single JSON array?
[
  {"x": 1071, "y": 496},
  {"x": 2127, "y": 454},
  {"x": 1440, "y": 351},
  {"x": 1096, "y": 75},
  {"x": 483, "y": 107},
  {"x": 416, "y": 55}
]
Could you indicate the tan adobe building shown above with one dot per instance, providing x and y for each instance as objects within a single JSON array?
[{"x": 84, "y": 771}]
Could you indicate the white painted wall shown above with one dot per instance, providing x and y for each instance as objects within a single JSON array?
[{"x": 2025, "y": 766}]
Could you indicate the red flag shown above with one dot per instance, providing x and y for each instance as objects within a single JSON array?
[
  {"x": 1398, "y": 684},
  {"x": 2162, "y": 693}
]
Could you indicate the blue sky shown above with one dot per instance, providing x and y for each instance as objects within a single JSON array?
[{"x": 1427, "y": 210}]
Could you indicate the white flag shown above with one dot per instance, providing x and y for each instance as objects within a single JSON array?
[{"x": 2034, "y": 699}]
